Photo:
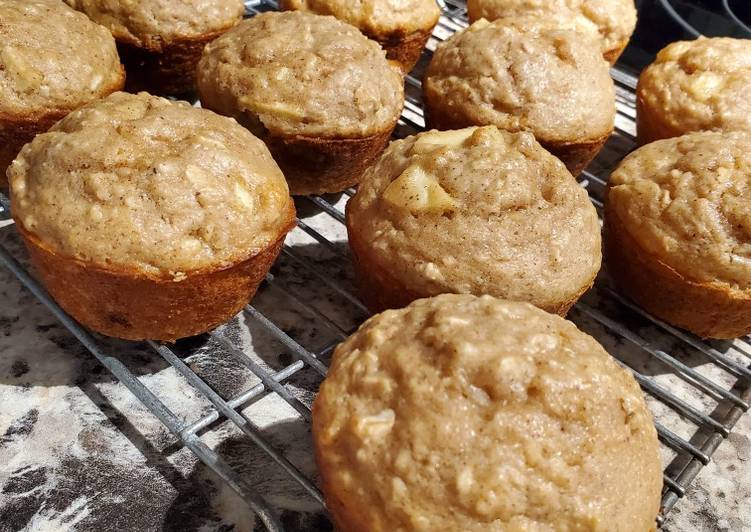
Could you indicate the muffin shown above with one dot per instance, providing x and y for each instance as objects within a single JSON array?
[
  {"x": 401, "y": 28},
  {"x": 149, "y": 219},
  {"x": 695, "y": 86},
  {"x": 477, "y": 210},
  {"x": 523, "y": 74},
  {"x": 161, "y": 41},
  {"x": 319, "y": 93},
  {"x": 678, "y": 231},
  {"x": 475, "y": 414},
  {"x": 52, "y": 61},
  {"x": 612, "y": 21}
]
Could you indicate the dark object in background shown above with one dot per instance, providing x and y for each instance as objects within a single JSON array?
[{"x": 664, "y": 21}]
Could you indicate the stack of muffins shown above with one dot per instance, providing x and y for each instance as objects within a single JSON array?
[{"x": 469, "y": 403}]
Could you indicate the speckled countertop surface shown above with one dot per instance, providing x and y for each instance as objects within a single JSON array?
[{"x": 78, "y": 452}]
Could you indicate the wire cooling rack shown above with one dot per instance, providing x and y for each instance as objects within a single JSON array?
[{"x": 697, "y": 389}]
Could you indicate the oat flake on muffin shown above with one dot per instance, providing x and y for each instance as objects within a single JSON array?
[
  {"x": 402, "y": 28},
  {"x": 161, "y": 41},
  {"x": 52, "y": 61},
  {"x": 678, "y": 231},
  {"x": 322, "y": 95},
  {"x": 136, "y": 198},
  {"x": 301, "y": 74},
  {"x": 693, "y": 86},
  {"x": 152, "y": 23},
  {"x": 477, "y": 414},
  {"x": 613, "y": 21},
  {"x": 477, "y": 210},
  {"x": 524, "y": 74}
]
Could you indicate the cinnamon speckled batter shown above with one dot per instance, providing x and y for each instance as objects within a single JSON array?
[
  {"x": 687, "y": 202},
  {"x": 696, "y": 85},
  {"x": 148, "y": 22},
  {"x": 478, "y": 414},
  {"x": 613, "y": 21},
  {"x": 478, "y": 210},
  {"x": 301, "y": 74},
  {"x": 52, "y": 59},
  {"x": 139, "y": 182},
  {"x": 522, "y": 74}
]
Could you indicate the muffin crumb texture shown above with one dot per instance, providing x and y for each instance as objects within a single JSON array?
[
  {"x": 522, "y": 74},
  {"x": 687, "y": 202},
  {"x": 427, "y": 421},
  {"x": 698, "y": 85},
  {"x": 148, "y": 185},
  {"x": 613, "y": 21},
  {"x": 151, "y": 23},
  {"x": 296, "y": 73},
  {"x": 375, "y": 18},
  {"x": 477, "y": 210},
  {"x": 52, "y": 58}
]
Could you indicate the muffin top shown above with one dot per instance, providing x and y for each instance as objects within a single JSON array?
[
  {"x": 478, "y": 210},
  {"x": 149, "y": 23},
  {"x": 52, "y": 58},
  {"x": 523, "y": 73},
  {"x": 687, "y": 201},
  {"x": 378, "y": 18},
  {"x": 613, "y": 20},
  {"x": 296, "y": 73},
  {"x": 474, "y": 413},
  {"x": 700, "y": 85},
  {"x": 136, "y": 182}
]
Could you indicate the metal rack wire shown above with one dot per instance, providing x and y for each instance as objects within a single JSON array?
[{"x": 723, "y": 378}]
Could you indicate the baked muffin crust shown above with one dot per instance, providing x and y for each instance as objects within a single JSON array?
[
  {"x": 521, "y": 74},
  {"x": 296, "y": 73},
  {"x": 696, "y": 85},
  {"x": 476, "y": 414},
  {"x": 687, "y": 202},
  {"x": 149, "y": 23},
  {"x": 139, "y": 183},
  {"x": 375, "y": 18},
  {"x": 401, "y": 28},
  {"x": 52, "y": 59},
  {"x": 613, "y": 20},
  {"x": 478, "y": 210}
]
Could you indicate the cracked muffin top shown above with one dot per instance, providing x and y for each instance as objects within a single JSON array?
[
  {"x": 478, "y": 414},
  {"x": 477, "y": 210},
  {"x": 139, "y": 183},
  {"x": 377, "y": 18},
  {"x": 52, "y": 59},
  {"x": 296, "y": 73},
  {"x": 700, "y": 85},
  {"x": 523, "y": 73},
  {"x": 149, "y": 23},
  {"x": 687, "y": 202},
  {"x": 612, "y": 20}
]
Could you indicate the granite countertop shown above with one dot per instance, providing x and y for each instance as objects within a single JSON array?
[{"x": 78, "y": 452}]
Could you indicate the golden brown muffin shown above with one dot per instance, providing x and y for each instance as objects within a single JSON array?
[
  {"x": 319, "y": 93},
  {"x": 678, "y": 231},
  {"x": 478, "y": 210},
  {"x": 477, "y": 414},
  {"x": 612, "y": 21},
  {"x": 694, "y": 86},
  {"x": 401, "y": 28},
  {"x": 52, "y": 61},
  {"x": 524, "y": 74},
  {"x": 147, "y": 218},
  {"x": 161, "y": 41}
]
